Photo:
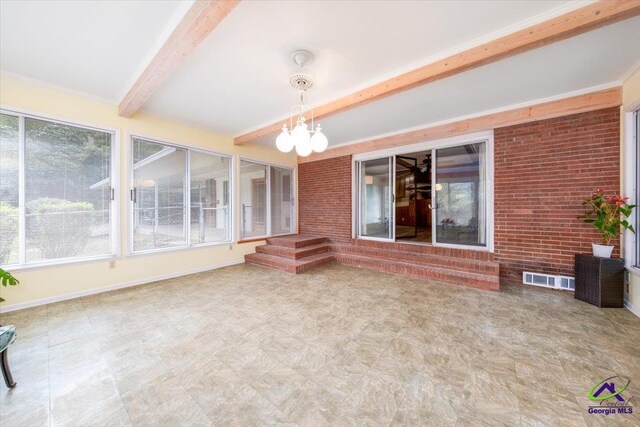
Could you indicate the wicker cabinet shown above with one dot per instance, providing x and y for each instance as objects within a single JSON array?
[{"x": 600, "y": 281}]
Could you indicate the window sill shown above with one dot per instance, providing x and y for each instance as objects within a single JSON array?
[
  {"x": 57, "y": 264},
  {"x": 435, "y": 245},
  {"x": 134, "y": 254}
]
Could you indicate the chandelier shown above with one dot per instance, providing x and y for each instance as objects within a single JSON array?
[{"x": 303, "y": 139}]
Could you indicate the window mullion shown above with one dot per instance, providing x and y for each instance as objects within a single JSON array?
[
  {"x": 22, "y": 226},
  {"x": 268, "y": 197},
  {"x": 187, "y": 199},
  {"x": 114, "y": 219}
]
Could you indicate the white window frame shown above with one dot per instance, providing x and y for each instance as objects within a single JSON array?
[
  {"x": 187, "y": 198},
  {"x": 632, "y": 183},
  {"x": 472, "y": 138},
  {"x": 294, "y": 200},
  {"x": 114, "y": 208},
  {"x": 357, "y": 164}
]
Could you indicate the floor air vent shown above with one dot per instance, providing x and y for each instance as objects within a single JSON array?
[
  {"x": 549, "y": 281},
  {"x": 568, "y": 283}
]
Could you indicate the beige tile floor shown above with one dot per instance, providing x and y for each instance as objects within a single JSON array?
[{"x": 338, "y": 346}]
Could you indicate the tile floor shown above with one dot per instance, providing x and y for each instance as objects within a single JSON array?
[{"x": 338, "y": 346}]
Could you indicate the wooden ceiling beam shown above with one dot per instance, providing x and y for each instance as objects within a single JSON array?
[
  {"x": 578, "y": 21},
  {"x": 202, "y": 18},
  {"x": 547, "y": 110}
]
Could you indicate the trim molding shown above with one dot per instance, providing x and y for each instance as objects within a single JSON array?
[
  {"x": 631, "y": 72},
  {"x": 591, "y": 101},
  {"x": 128, "y": 284},
  {"x": 632, "y": 308},
  {"x": 561, "y": 27}
]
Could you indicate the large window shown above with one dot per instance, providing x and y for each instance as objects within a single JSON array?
[
  {"x": 266, "y": 194},
  {"x": 56, "y": 191},
  {"x": 636, "y": 134},
  {"x": 180, "y": 197}
]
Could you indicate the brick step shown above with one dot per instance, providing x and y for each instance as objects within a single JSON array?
[
  {"x": 470, "y": 265},
  {"x": 295, "y": 266},
  {"x": 425, "y": 249},
  {"x": 293, "y": 253},
  {"x": 482, "y": 281},
  {"x": 296, "y": 241}
]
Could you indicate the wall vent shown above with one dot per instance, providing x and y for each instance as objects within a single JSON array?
[
  {"x": 568, "y": 283},
  {"x": 548, "y": 281}
]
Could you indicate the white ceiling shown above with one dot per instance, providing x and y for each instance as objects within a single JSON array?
[
  {"x": 586, "y": 61},
  {"x": 236, "y": 80},
  {"x": 95, "y": 47}
]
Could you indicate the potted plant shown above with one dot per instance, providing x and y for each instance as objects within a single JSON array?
[
  {"x": 608, "y": 214},
  {"x": 6, "y": 279}
]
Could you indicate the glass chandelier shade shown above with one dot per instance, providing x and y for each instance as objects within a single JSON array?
[
  {"x": 284, "y": 142},
  {"x": 319, "y": 141},
  {"x": 301, "y": 138}
]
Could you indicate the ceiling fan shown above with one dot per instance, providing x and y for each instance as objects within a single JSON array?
[{"x": 427, "y": 164}]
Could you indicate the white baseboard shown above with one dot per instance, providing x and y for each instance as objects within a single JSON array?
[
  {"x": 93, "y": 291},
  {"x": 632, "y": 308}
]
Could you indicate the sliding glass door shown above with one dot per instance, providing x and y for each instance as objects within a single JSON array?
[
  {"x": 267, "y": 199},
  {"x": 438, "y": 195},
  {"x": 375, "y": 192},
  {"x": 461, "y": 195}
]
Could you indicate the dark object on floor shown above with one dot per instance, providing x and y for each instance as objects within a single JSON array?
[
  {"x": 600, "y": 281},
  {"x": 7, "y": 337}
]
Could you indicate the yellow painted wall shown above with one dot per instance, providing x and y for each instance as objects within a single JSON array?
[
  {"x": 68, "y": 280},
  {"x": 630, "y": 100}
]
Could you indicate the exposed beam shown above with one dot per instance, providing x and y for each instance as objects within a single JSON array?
[
  {"x": 581, "y": 20},
  {"x": 547, "y": 110},
  {"x": 198, "y": 22}
]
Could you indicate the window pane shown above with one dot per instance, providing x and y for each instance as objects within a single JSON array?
[
  {"x": 281, "y": 200},
  {"x": 253, "y": 199},
  {"x": 461, "y": 195},
  {"x": 210, "y": 211},
  {"x": 159, "y": 181},
  {"x": 67, "y": 191},
  {"x": 375, "y": 198},
  {"x": 9, "y": 163}
]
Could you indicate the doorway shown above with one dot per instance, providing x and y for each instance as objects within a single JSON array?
[
  {"x": 438, "y": 195},
  {"x": 413, "y": 197}
]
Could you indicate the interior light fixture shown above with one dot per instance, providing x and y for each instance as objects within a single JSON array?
[{"x": 300, "y": 137}]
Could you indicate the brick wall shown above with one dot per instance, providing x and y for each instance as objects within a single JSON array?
[
  {"x": 543, "y": 171},
  {"x": 324, "y": 204}
]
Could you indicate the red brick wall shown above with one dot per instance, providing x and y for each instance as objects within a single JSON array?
[
  {"x": 324, "y": 201},
  {"x": 543, "y": 171}
]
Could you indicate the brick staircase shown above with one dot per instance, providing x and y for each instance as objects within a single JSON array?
[
  {"x": 298, "y": 253},
  {"x": 457, "y": 266},
  {"x": 294, "y": 254}
]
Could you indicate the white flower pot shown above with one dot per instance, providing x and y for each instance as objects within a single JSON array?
[{"x": 601, "y": 250}]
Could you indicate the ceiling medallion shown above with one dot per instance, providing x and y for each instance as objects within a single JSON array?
[{"x": 305, "y": 141}]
